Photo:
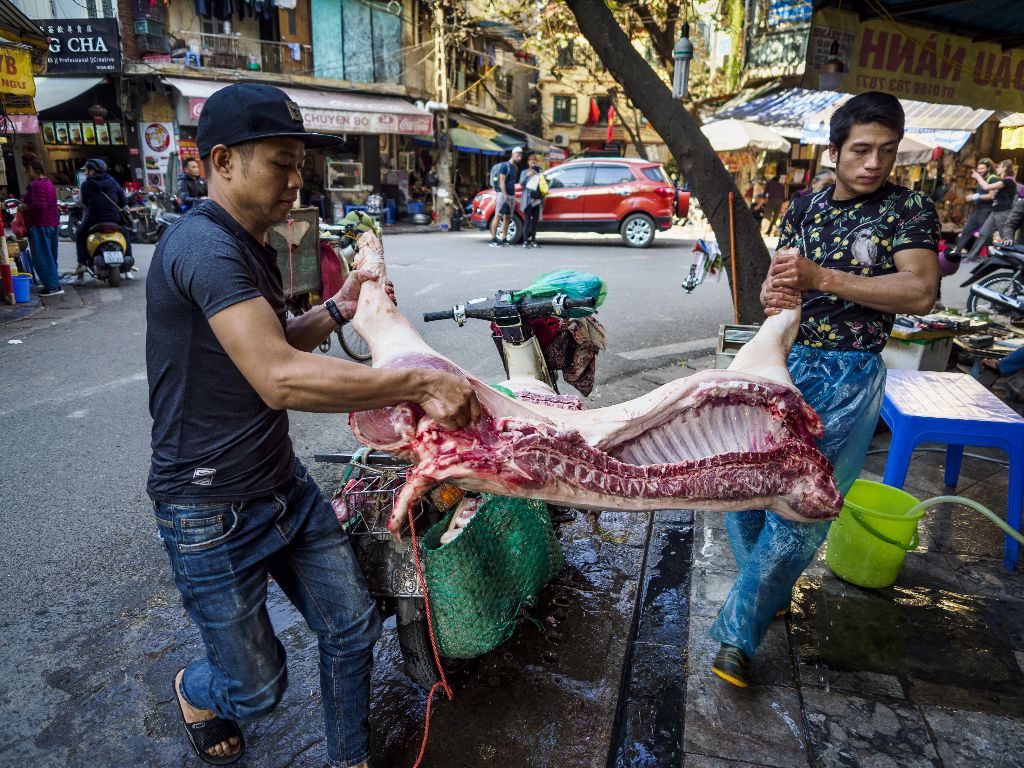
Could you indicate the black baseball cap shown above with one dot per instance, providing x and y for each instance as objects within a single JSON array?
[{"x": 246, "y": 111}]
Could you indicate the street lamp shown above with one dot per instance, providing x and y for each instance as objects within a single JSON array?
[{"x": 682, "y": 54}]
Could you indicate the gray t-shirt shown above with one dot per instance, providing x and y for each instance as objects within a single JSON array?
[{"x": 214, "y": 439}]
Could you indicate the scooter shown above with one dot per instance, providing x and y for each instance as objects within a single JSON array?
[
  {"x": 70, "y": 217},
  {"x": 107, "y": 249},
  {"x": 151, "y": 214},
  {"x": 997, "y": 282},
  {"x": 372, "y": 480}
]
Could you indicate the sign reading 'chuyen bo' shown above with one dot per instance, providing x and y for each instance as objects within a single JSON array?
[{"x": 915, "y": 63}]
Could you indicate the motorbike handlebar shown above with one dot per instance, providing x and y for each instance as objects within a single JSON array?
[
  {"x": 528, "y": 309},
  {"x": 448, "y": 314}
]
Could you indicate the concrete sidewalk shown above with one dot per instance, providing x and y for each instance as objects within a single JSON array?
[{"x": 929, "y": 672}]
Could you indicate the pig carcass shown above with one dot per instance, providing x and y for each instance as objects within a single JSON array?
[{"x": 723, "y": 440}]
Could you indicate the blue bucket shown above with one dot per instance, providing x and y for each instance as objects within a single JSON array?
[{"x": 21, "y": 285}]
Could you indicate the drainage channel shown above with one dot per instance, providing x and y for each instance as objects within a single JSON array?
[{"x": 648, "y": 729}]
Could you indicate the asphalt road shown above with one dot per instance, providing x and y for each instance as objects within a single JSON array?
[{"x": 91, "y": 627}]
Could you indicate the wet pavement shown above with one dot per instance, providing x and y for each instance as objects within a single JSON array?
[{"x": 929, "y": 672}]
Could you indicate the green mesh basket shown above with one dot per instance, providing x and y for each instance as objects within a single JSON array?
[{"x": 479, "y": 583}]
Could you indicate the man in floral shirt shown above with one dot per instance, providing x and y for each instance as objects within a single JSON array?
[{"x": 852, "y": 255}]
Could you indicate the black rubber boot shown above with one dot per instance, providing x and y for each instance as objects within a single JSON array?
[{"x": 732, "y": 665}]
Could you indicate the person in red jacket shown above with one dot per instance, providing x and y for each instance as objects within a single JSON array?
[{"x": 39, "y": 207}]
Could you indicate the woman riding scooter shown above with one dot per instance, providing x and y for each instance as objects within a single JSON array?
[{"x": 102, "y": 199}]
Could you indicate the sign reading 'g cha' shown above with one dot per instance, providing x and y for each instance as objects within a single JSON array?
[{"x": 82, "y": 46}]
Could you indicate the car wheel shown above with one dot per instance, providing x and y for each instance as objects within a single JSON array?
[
  {"x": 638, "y": 230},
  {"x": 514, "y": 233}
]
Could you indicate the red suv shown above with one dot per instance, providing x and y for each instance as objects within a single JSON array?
[{"x": 632, "y": 197}]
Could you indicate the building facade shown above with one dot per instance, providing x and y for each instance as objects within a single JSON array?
[{"x": 128, "y": 81}]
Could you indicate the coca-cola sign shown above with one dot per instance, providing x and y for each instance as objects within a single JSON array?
[{"x": 346, "y": 121}]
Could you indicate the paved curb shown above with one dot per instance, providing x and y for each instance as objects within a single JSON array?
[{"x": 12, "y": 314}]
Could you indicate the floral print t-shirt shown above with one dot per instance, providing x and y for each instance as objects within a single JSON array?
[{"x": 858, "y": 236}]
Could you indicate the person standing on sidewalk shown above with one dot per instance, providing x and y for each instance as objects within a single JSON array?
[
  {"x": 532, "y": 200},
  {"x": 774, "y": 197},
  {"x": 191, "y": 186},
  {"x": 505, "y": 201},
  {"x": 1005, "y": 189},
  {"x": 233, "y": 504},
  {"x": 853, "y": 256},
  {"x": 982, "y": 199},
  {"x": 42, "y": 218}
]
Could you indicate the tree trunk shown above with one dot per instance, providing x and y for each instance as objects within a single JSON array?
[
  {"x": 697, "y": 161},
  {"x": 735, "y": 64}
]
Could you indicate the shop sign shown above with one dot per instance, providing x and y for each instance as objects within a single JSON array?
[
  {"x": 776, "y": 53},
  {"x": 340, "y": 121},
  {"x": 158, "y": 146},
  {"x": 24, "y": 123},
  {"x": 82, "y": 46},
  {"x": 16, "y": 73},
  {"x": 915, "y": 63},
  {"x": 79, "y": 134}
]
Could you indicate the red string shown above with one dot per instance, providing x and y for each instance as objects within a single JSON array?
[
  {"x": 291, "y": 281},
  {"x": 433, "y": 644}
]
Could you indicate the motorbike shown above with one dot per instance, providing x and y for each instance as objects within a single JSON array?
[
  {"x": 150, "y": 213},
  {"x": 340, "y": 240},
  {"x": 10, "y": 210},
  {"x": 70, "y": 217},
  {"x": 997, "y": 282},
  {"x": 107, "y": 250},
  {"x": 372, "y": 479}
]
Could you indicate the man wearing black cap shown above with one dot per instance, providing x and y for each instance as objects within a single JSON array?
[{"x": 233, "y": 503}]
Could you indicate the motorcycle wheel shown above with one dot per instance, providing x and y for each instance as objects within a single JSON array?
[
  {"x": 417, "y": 653},
  {"x": 113, "y": 277},
  {"x": 414, "y": 639},
  {"x": 353, "y": 344},
  {"x": 1002, "y": 283}
]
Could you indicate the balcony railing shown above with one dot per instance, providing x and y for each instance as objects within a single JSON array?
[{"x": 247, "y": 53}]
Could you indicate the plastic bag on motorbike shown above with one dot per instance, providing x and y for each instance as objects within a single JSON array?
[
  {"x": 361, "y": 222},
  {"x": 576, "y": 285}
]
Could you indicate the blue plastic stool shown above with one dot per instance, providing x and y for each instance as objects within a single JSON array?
[{"x": 955, "y": 409}]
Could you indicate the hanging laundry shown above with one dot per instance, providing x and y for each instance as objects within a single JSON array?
[{"x": 296, "y": 51}]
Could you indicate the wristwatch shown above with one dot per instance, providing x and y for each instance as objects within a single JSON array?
[{"x": 334, "y": 312}]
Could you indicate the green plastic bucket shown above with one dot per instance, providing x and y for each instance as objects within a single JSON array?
[{"x": 872, "y": 535}]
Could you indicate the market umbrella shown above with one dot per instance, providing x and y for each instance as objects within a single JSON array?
[
  {"x": 912, "y": 150},
  {"x": 737, "y": 135}
]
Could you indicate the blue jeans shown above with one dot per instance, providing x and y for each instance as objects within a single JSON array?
[
  {"x": 846, "y": 390},
  {"x": 42, "y": 242},
  {"x": 221, "y": 555}
]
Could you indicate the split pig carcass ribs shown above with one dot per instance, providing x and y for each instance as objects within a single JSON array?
[{"x": 722, "y": 440}]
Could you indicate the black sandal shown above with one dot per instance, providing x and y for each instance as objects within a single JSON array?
[{"x": 209, "y": 733}]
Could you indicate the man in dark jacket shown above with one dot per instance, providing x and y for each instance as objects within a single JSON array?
[
  {"x": 191, "y": 186},
  {"x": 102, "y": 201}
]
